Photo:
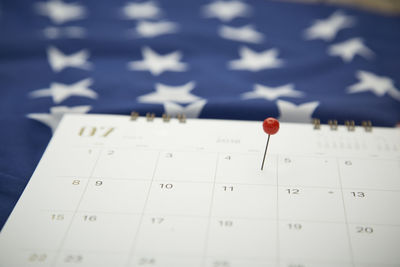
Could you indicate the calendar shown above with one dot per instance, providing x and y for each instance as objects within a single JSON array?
[{"x": 113, "y": 190}]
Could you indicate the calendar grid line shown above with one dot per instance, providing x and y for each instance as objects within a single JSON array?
[
  {"x": 277, "y": 213},
  {"x": 230, "y": 217},
  {"x": 256, "y": 152},
  {"x": 288, "y": 260},
  {"x": 305, "y": 260},
  {"x": 76, "y": 211},
  {"x": 345, "y": 217},
  {"x": 207, "y": 234},
  {"x": 236, "y": 183},
  {"x": 133, "y": 247}
]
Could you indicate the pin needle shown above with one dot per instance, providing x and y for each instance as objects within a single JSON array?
[{"x": 270, "y": 126}]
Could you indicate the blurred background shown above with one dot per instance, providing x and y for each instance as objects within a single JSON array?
[{"x": 245, "y": 60}]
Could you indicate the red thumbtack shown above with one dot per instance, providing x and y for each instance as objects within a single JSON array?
[{"x": 270, "y": 126}]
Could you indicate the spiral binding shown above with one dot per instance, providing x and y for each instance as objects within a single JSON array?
[
  {"x": 350, "y": 125},
  {"x": 166, "y": 117},
  {"x": 151, "y": 116},
  {"x": 134, "y": 115},
  {"x": 333, "y": 124},
  {"x": 317, "y": 124},
  {"x": 367, "y": 125}
]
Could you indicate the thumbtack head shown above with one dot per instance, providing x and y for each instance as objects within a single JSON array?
[{"x": 271, "y": 125}]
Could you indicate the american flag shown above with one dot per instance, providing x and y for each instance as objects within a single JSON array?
[{"x": 228, "y": 59}]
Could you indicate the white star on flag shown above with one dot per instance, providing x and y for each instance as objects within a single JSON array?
[
  {"x": 59, "y": 61},
  {"x": 226, "y": 10},
  {"x": 53, "y": 118},
  {"x": 256, "y": 61},
  {"x": 150, "y": 29},
  {"x": 327, "y": 29},
  {"x": 190, "y": 111},
  {"x": 166, "y": 93},
  {"x": 272, "y": 93},
  {"x": 143, "y": 10},
  {"x": 157, "y": 64},
  {"x": 290, "y": 112},
  {"x": 347, "y": 50},
  {"x": 59, "y": 91},
  {"x": 60, "y": 12},
  {"x": 64, "y": 32},
  {"x": 245, "y": 33},
  {"x": 379, "y": 85}
]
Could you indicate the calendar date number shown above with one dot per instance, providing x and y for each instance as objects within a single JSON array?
[{"x": 37, "y": 257}]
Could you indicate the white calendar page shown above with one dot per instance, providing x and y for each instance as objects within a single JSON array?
[{"x": 114, "y": 192}]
